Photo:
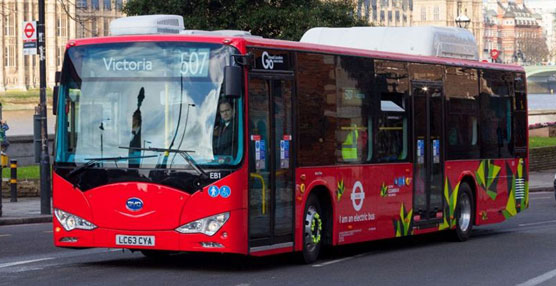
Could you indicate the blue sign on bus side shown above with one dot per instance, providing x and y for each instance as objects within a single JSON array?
[
  {"x": 214, "y": 191},
  {"x": 225, "y": 191}
]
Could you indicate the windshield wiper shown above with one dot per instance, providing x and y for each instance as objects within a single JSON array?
[
  {"x": 183, "y": 153},
  {"x": 93, "y": 161}
]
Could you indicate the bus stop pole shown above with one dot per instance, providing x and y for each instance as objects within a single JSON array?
[{"x": 45, "y": 159}]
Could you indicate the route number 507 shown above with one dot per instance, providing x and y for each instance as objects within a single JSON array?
[{"x": 195, "y": 62}]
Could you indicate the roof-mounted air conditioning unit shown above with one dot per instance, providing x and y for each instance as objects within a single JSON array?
[
  {"x": 448, "y": 42},
  {"x": 145, "y": 25}
]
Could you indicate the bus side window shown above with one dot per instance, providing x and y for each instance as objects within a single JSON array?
[{"x": 389, "y": 113}]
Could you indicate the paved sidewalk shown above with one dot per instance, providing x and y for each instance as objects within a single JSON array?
[
  {"x": 28, "y": 210},
  {"x": 25, "y": 210}
]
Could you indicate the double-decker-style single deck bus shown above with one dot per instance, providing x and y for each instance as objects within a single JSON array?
[{"x": 182, "y": 140}]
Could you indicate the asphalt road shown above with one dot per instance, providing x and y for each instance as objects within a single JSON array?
[{"x": 520, "y": 251}]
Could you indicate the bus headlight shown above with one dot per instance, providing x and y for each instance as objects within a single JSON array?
[
  {"x": 208, "y": 225},
  {"x": 70, "y": 221}
]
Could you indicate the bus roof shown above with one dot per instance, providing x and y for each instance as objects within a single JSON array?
[
  {"x": 447, "y": 42},
  {"x": 242, "y": 42}
]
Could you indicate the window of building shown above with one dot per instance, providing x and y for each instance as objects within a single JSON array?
[
  {"x": 9, "y": 56},
  {"x": 94, "y": 28},
  {"x": 95, "y": 5},
  {"x": 390, "y": 18},
  {"x": 61, "y": 26},
  {"x": 9, "y": 22},
  {"x": 462, "y": 113},
  {"x": 107, "y": 5},
  {"x": 436, "y": 13},
  {"x": 423, "y": 13},
  {"x": 119, "y": 5},
  {"x": 81, "y": 4}
]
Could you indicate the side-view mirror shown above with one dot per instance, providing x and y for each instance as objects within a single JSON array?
[
  {"x": 232, "y": 81},
  {"x": 55, "y": 99}
]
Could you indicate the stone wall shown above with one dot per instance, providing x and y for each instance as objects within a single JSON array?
[
  {"x": 25, "y": 188},
  {"x": 543, "y": 158},
  {"x": 22, "y": 149}
]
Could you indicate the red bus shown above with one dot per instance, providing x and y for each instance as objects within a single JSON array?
[{"x": 325, "y": 145}]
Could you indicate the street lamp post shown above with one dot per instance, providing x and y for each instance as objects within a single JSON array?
[
  {"x": 462, "y": 20},
  {"x": 44, "y": 158}
]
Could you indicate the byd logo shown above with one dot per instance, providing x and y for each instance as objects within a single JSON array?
[{"x": 134, "y": 204}]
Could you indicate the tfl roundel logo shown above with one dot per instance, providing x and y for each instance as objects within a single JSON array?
[{"x": 134, "y": 204}]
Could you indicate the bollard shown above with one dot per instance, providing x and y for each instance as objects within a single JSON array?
[{"x": 13, "y": 180}]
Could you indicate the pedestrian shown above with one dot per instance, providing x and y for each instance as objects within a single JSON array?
[{"x": 4, "y": 143}]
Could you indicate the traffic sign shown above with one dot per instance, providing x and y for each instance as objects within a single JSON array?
[
  {"x": 30, "y": 38},
  {"x": 494, "y": 53}
]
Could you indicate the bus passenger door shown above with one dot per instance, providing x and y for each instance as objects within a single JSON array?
[
  {"x": 429, "y": 161},
  {"x": 271, "y": 181}
]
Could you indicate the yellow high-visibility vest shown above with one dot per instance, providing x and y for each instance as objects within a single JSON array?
[{"x": 349, "y": 146}]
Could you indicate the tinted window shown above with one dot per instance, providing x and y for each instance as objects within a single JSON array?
[
  {"x": 316, "y": 109},
  {"x": 496, "y": 138},
  {"x": 520, "y": 116},
  {"x": 462, "y": 95},
  {"x": 388, "y": 123},
  {"x": 354, "y": 89}
]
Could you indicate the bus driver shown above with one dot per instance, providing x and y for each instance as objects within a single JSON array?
[{"x": 225, "y": 131}]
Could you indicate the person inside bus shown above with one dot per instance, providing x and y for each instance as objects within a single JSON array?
[{"x": 225, "y": 131}]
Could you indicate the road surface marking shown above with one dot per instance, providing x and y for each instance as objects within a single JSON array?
[
  {"x": 537, "y": 223},
  {"x": 541, "y": 198},
  {"x": 24, "y": 262},
  {"x": 539, "y": 279},
  {"x": 338, "y": 260},
  {"x": 48, "y": 231},
  {"x": 4, "y": 235}
]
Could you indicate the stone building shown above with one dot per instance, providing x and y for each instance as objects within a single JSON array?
[
  {"x": 515, "y": 31},
  {"x": 392, "y": 13},
  {"x": 547, "y": 10},
  {"x": 444, "y": 13},
  {"x": 64, "y": 20}
]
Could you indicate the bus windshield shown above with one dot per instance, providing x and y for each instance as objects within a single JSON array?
[{"x": 119, "y": 100}]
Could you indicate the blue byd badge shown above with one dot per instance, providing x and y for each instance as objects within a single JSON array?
[{"x": 134, "y": 204}]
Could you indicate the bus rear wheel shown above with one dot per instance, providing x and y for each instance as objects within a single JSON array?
[
  {"x": 312, "y": 229},
  {"x": 464, "y": 213}
]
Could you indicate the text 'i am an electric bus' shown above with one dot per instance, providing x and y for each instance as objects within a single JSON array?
[{"x": 183, "y": 140}]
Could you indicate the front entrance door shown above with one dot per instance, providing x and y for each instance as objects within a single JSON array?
[
  {"x": 271, "y": 182},
  {"x": 429, "y": 161}
]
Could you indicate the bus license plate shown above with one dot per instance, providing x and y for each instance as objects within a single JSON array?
[{"x": 134, "y": 240}]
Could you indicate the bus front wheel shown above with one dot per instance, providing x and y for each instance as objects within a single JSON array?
[
  {"x": 464, "y": 213},
  {"x": 312, "y": 229}
]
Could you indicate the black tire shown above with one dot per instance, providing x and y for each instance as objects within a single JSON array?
[
  {"x": 313, "y": 234},
  {"x": 464, "y": 213},
  {"x": 156, "y": 254}
]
